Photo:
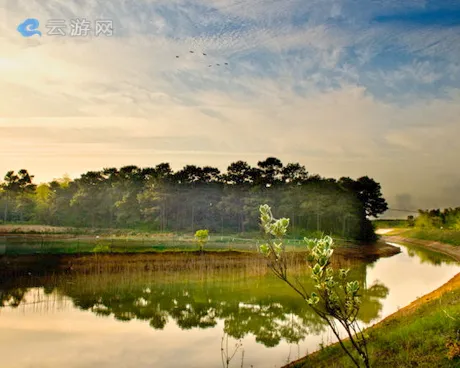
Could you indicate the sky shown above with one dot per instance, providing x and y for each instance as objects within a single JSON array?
[{"x": 344, "y": 87}]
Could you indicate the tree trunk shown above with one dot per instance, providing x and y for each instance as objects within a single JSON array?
[
  {"x": 193, "y": 219},
  {"x": 111, "y": 210},
  {"x": 317, "y": 216},
  {"x": 222, "y": 225},
  {"x": 5, "y": 214},
  {"x": 163, "y": 217}
]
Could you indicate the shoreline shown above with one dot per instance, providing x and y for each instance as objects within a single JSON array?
[
  {"x": 167, "y": 261},
  {"x": 446, "y": 249}
]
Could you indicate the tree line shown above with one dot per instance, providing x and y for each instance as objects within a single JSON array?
[
  {"x": 157, "y": 198},
  {"x": 448, "y": 218}
]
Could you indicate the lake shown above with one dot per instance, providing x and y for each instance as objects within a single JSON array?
[{"x": 190, "y": 319}]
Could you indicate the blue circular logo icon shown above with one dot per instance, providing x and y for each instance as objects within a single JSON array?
[{"x": 29, "y": 27}]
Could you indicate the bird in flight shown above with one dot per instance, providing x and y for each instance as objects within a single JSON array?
[{"x": 204, "y": 54}]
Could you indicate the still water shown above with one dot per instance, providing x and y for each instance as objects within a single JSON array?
[{"x": 186, "y": 320}]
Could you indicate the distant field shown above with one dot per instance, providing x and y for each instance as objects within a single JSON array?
[
  {"x": 63, "y": 243},
  {"x": 386, "y": 224},
  {"x": 42, "y": 239},
  {"x": 15, "y": 244},
  {"x": 8, "y": 228},
  {"x": 45, "y": 229}
]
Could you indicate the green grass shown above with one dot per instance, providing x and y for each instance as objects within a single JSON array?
[
  {"x": 417, "y": 338},
  {"x": 441, "y": 235},
  {"x": 18, "y": 228},
  {"x": 23, "y": 244},
  {"x": 386, "y": 224}
]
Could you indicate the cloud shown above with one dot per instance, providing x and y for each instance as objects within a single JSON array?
[
  {"x": 404, "y": 202},
  {"x": 451, "y": 190},
  {"x": 427, "y": 18},
  {"x": 316, "y": 82}
]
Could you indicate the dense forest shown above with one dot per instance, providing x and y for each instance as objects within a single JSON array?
[{"x": 157, "y": 198}]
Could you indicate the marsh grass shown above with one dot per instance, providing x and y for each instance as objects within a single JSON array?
[{"x": 177, "y": 263}]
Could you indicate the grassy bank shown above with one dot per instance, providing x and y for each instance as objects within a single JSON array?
[
  {"x": 36, "y": 239},
  {"x": 27, "y": 244},
  {"x": 76, "y": 247},
  {"x": 451, "y": 237},
  {"x": 140, "y": 233},
  {"x": 424, "y": 334}
]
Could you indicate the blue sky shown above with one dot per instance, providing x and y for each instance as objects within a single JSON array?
[{"x": 353, "y": 87}]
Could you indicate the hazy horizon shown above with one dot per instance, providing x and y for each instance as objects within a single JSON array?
[{"x": 345, "y": 88}]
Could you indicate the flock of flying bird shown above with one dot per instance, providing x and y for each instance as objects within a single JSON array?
[{"x": 204, "y": 54}]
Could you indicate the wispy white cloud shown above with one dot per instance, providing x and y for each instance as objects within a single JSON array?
[{"x": 314, "y": 82}]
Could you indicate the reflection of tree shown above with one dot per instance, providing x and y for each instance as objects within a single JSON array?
[
  {"x": 199, "y": 315},
  {"x": 260, "y": 306},
  {"x": 426, "y": 256},
  {"x": 371, "y": 296},
  {"x": 294, "y": 330},
  {"x": 371, "y": 302},
  {"x": 12, "y": 297}
]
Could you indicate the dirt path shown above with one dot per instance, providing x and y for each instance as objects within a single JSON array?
[
  {"x": 447, "y": 249},
  {"x": 383, "y": 231}
]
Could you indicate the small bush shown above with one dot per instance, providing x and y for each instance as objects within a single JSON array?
[
  {"x": 453, "y": 347},
  {"x": 202, "y": 237}
]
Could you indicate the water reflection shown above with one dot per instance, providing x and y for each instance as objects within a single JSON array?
[
  {"x": 228, "y": 353},
  {"x": 150, "y": 315},
  {"x": 261, "y": 306},
  {"x": 428, "y": 256},
  {"x": 12, "y": 297}
]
